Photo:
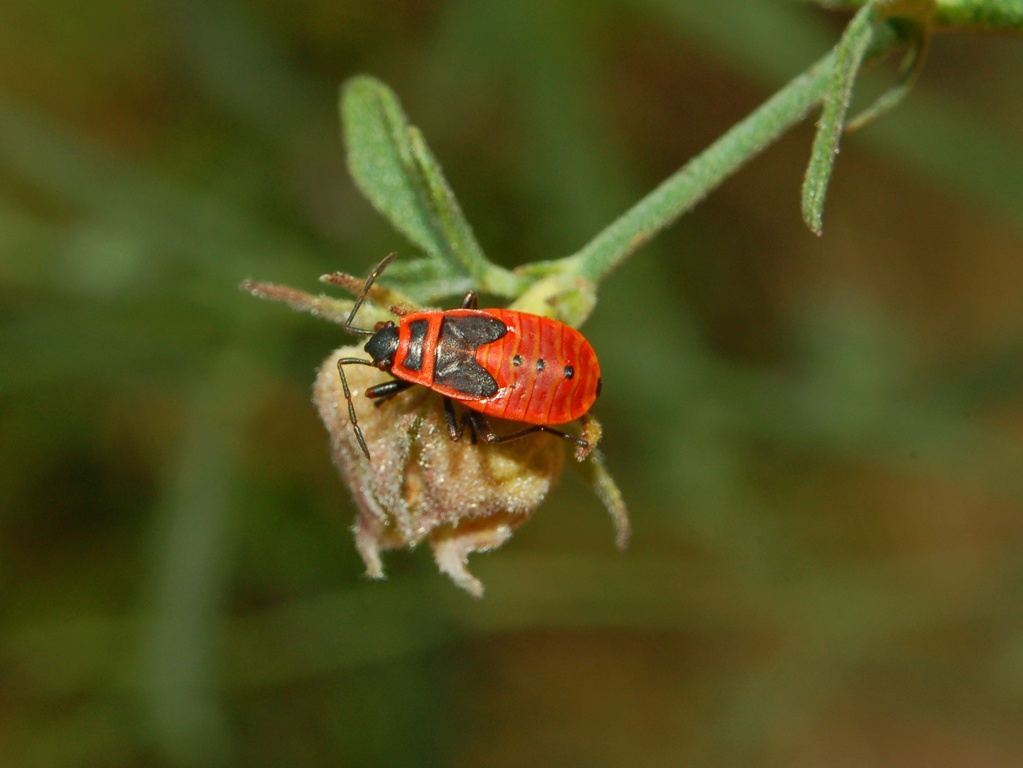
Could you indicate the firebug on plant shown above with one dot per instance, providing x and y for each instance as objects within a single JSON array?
[{"x": 495, "y": 362}]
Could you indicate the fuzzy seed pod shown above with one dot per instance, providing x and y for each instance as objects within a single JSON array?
[{"x": 420, "y": 484}]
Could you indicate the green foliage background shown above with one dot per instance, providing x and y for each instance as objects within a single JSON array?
[{"x": 820, "y": 439}]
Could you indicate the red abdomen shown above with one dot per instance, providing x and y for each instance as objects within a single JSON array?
[{"x": 546, "y": 371}]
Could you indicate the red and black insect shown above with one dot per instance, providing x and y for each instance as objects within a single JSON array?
[{"x": 496, "y": 362}]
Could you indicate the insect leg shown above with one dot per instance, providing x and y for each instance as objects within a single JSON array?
[
  {"x": 470, "y": 301},
  {"x": 455, "y": 428},
  {"x": 482, "y": 426},
  {"x": 388, "y": 389},
  {"x": 452, "y": 421},
  {"x": 348, "y": 396}
]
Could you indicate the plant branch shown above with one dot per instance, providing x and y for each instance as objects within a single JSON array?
[
  {"x": 682, "y": 191},
  {"x": 963, "y": 15}
]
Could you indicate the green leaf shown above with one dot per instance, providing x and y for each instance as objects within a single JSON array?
[
  {"x": 380, "y": 159},
  {"x": 849, "y": 55},
  {"x": 908, "y": 20},
  {"x": 915, "y": 19},
  {"x": 595, "y": 471},
  {"x": 395, "y": 170}
]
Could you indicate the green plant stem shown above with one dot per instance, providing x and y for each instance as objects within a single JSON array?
[
  {"x": 683, "y": 190},
  {"x": 694, "y": 181},
  {"x": 965, "y": 15}
]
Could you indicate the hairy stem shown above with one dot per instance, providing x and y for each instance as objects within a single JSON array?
[
  {"x": 680, "y": 192},
  {"x": 966, "y": 15}
]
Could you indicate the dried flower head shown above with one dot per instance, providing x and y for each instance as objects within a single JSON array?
[{"x": 422, "y": 485}]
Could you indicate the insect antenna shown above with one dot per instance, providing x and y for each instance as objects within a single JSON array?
[
  {"x": 356, "y": 360},
  {"x": 348, "y": 396},
  {"x": 361, "y": 298}
]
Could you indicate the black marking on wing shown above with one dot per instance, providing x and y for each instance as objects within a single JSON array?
[
  {"x": 417, "y": 333},
  {"x": 455, "y": 362},
  {"x": 471, "y": 331}
]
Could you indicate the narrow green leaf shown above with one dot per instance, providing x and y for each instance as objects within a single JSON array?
[
  {"x": 849, "y": 55},
  {"x": 447, "y": 215},
  {"x": 380, "y": 159},
  {"x": 909, "y": 70},
  {"x": 395, "y": 170},
  {"x": 595, "y": 471},
  {"x": 916, "y": 21}
]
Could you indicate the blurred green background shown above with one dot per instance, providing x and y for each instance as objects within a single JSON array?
[{"x": 820, "y": 439}]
